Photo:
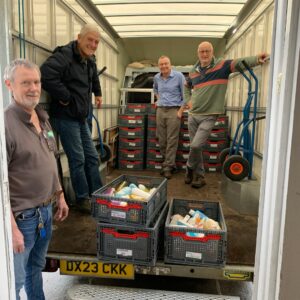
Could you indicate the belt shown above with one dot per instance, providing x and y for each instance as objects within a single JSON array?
[{"x": 50, "y": 200}]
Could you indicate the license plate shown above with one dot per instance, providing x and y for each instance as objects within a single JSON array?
[{"x": 97, "y": 269}]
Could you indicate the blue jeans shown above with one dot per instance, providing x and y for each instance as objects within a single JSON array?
[
  {"x": 82, "y": 156},
  {"x": 29, "y": 264}
]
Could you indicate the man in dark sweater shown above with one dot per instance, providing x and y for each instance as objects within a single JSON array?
[
  {"x": 70, "y": 77},
  {"x": 204, "y": 92}
]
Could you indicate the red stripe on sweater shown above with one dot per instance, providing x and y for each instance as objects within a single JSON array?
[{"x": 212, "y": 82}]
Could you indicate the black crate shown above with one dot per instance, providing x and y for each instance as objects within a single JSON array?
[
  {"x": 131, "y": 154},
  {"x": 211, "y": 157},
  {"x": 184, "y": 145},
  {"x": 131, "y": 143},
  {"x": 215, "y": 145},
  {"x": 184, "y": 122},
  {"x": 136, "y": 108},
  {"x": 152, "y": 120},
  {"x": 184, "y": 134},
  {"x": 131, "y": 120},
  {"x": 181, "y": 248},
  {"x": 126, "y": 164},
  {"x": 181, "y": 165},
  {"x": 151, "y": 132},
  {"x": 152, "y": 108},
  {"x": 124, "y": 211},
  {"x": 212, "y": 167},
  {"x": 131, "y": 131},
  {"x": 154, "y": 154},
  {"x": 182, "y": 155},
  {"x": 123, "y": 243},
  {"x": 221, "y": 122},
  {"x": 154, "y": 165},
  {"x": 153, "y": 143}
]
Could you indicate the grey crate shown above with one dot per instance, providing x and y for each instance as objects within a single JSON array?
[
  {"x": 126, "y": 164},
  {"x": 131, "y": 154},
  {"x": 127, "y": 211},
  {"x": 123, "y": 243},
  {"x": 209, "y": 250},
  {"x": 131, "y": 120},
  {"x": 131, "y": 131},
  {"x": 131, "y": 143},
  {"x": 136, "y": 108}
]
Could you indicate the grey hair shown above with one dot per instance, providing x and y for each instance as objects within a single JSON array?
[
  {"x": 164, "y": 56},
  {"x": 9, "y": 72},
  {"x": 89, "y": 28}
]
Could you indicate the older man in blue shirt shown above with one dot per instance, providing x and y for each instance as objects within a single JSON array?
[{"x": 168, "y": 87}]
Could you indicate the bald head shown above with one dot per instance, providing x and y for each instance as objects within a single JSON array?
[{"x": 205, "y": 53}]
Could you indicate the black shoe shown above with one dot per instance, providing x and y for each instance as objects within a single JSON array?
[
  {"x": 174, "y": 170},
  {"x": 84, "y": 206},
  {"x": 188, "y": 175},
  {"x": 198, "y": 182}
]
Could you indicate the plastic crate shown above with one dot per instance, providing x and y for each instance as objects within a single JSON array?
[
  {"x": 127, "y": 211},
  {"x": 129, "y": 120},
  {"x": 130, "y": 142},
  {"x": 125, "y": 164},
  {"x": 213, "y": 167},
  {"x": 131, "y": 154},
  {"x": 215, "y": 145},
  {"x": 182, "y": 155},
  {"x": 184, "y": 123},
  {"x": 218, "y": 134},
  {"x": 209, "y": 250},
  {"x": 211, "y": 157},
  {"x": 137, "y": 131},
  {"x": 123, "y": 243},
  {"x": 184, "y": 145},
  {"x": 153, "y": 143},
  {"x": 221, "y": 122},
  {"x": 136, "y": 108},
  {"x": 151, "y": 132},
  {"x": 151, "y": 120},
  {"x": 184, "y": 134},
  {"x": 154, "y": 165},
  {"x": 181, "y": 165},
  {"x": 152, "y": 108},
  {"x": 153, "y": 154}
]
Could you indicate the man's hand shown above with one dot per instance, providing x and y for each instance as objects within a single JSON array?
[
  {"x": 18, "y": 240},
  {"x": 262, "y": 58},
  {"x": 98, "y": 101},
  {"x": 62, "y": 208}
]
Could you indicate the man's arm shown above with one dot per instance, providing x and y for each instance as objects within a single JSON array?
[
  {"x": 17, "y": 236},
  {"x": 252, "y": 61},
  {"x": 62, "y": 207},
  {"x": 96, "y": 87}
]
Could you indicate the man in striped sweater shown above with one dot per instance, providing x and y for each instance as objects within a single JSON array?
[{"x": 204, "y": 93}]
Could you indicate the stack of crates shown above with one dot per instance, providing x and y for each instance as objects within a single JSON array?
[
  {"x": 196, "y": 246},
  {"x": 154, "y": 157},
  {"x": 132, "y": 129},
  {"x": 217, "y": 141},
  {"x": 130, "y": 230}
]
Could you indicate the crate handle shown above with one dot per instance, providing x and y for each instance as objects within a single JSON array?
[
  {"x": 134, "y": 236},
  {"x": 205, "y": 239},
  {"x": 110, "y": 205}
]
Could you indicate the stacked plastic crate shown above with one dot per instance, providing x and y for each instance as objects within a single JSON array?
[
  {"x": 132, "y": 131},
  {"x": 217, "y": 141},
  {"x": 130, "y": 227},
  {"x": 154, "y": 157}
]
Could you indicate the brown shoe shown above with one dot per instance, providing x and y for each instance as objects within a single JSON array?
[
  {"x": 84, "y": 206},
  {"x": 198, "y": 182},
  {"x": 167, "y": 174},
  {"x": 188, "y": 175}
]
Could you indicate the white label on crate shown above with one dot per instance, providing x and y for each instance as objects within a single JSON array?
[
  {"x": 132, "y": 121},
  {"x": 124, "y": 252},
  {"x": 194, "y": 255},
  {"x": 129, "y": 166},
  {"x": 213, "y": 157},
  {"x": 185, "y": 156},
  {"x": 158, "y": 167},
  {"x": 214, "y": 134},
  {"x": 214, "y": 145},
  {"x": 137, "y": 110},
  {"x": 118, "y": 214},
  {"x": 130, "y": 155},
  {"x": 186, "y": 135},
  {"x": 131, "y": 133},
  {"x": 212, "y": 169},
  {"x": 131, "y": 144},
  {"x": 186, "y": 144},
  {"x": 158, "y": 156}
]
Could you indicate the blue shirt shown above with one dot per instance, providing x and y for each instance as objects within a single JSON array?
[{"x": 170, "y": 90}]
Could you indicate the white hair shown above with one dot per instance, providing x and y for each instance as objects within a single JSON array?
[
  {"x": 89, "y": 28},
  {"x": 9, "y": 72}
]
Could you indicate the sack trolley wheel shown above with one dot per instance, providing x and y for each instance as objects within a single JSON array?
[
  {"x": 224, "y": 155},
  {"x": 236, "y": 167},
  {"x": 105, "y": 152}
]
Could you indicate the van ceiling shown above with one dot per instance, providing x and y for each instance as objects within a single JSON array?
[{"x": 161, "y": 18}]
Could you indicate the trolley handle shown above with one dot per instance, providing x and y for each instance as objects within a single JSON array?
[
  {"x": 246, "y": 65},
  {"x": 101, "y": 71}
]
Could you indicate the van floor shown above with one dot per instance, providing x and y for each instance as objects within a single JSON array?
[{"x": 77, "y": 234}]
